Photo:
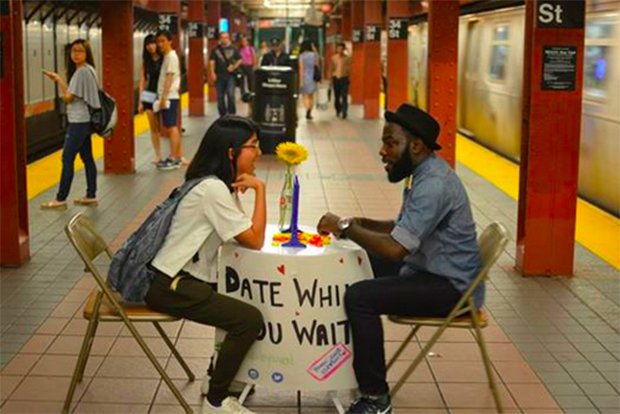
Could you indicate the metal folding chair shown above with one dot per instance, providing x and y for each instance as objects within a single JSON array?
[
  {"x": 464, "y": 315},
  {"x": 104, "y": 305}
]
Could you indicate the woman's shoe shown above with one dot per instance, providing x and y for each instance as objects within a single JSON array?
[
  {"x": 86, "y": 201},
  {"x": 54, "y": 205}
]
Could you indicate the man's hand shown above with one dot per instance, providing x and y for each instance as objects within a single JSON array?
[
  {"x": 231, "y": 68},
  {"x": 328, "y": 224}
]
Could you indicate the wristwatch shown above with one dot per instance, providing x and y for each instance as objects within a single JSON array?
[{"x": 343, "y": 225}]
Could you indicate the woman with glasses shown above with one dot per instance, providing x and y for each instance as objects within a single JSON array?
[
  {"x": 149, "y": 75},
  {"x": 186, "y": 265},
  {"x": 80, "y": 95}
]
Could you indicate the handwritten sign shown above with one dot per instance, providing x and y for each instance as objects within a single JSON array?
[{"x": 306, "y": 341}]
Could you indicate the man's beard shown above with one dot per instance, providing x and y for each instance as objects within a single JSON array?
[{"x": 401, "y": 168}]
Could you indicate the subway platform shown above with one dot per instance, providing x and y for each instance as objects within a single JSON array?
[{"x": 554, "y": 342}]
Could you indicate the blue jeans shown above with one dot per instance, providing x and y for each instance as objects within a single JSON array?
[
  {"x": 77, "y": 140},
  {"x": 225, "y": 90}
]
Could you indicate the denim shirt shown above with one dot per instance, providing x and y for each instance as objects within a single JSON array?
[{"x": 436, "y": 227}]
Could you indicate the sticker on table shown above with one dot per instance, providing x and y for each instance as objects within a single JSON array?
[
  {"x": 328, "y": 363},
  {"x": 277, "y": 377},
  {"x": 253, "y": 373}
]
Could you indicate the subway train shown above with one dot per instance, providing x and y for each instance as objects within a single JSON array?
[
  {"x": 490, "y": 90},
  {"x": 45, "y": 41}
]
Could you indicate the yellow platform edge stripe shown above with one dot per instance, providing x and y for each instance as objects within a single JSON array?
[
  {"x": 44, "y": 174},
  {"x": 596, "y": 230}
]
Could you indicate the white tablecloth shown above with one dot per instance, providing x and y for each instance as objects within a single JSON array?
[{"x": 307, "y": 343}]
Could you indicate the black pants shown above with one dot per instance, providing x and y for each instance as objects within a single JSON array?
[
  {"x": 196, "y": 301},
  {"x": 341, "y": 93},
  {"x": 248, "y": 76},
  {"x": 420, "y": 295}
]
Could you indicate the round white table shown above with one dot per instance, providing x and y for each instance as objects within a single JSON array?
[{"x": 306, "y": 344}]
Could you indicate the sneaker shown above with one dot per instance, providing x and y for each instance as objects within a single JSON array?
[
  {"x": 234, "y": 390},
  {"x": 164, "y": 164},
  {"x": 230, "y": 405},
  {"x": 368, "y": 405},
  {"x": 176, "y": 164}
]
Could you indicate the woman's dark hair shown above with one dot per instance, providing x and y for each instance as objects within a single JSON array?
[
  {"x": 71, "y": 67},
  {"x": 229, "y": 131},
  {"x": 306, "y": 46},
  {"x": 147, "y": 59}
]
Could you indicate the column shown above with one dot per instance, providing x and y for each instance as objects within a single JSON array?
[
  {"x": 398, "y": 13},
  {"x": 117, "y": 49},
  {"x": 196, "y": 67},
  {"x": 14, "y": 239},
  {"x": 373, "y": 22},
  {"x": 552, "y": 95},
  {"x": 443, "y": 34}
]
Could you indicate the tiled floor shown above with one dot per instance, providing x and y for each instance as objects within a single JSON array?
[{"x": 554, "y": 343}]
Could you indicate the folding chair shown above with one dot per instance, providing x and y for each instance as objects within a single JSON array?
[
  {"x": 463, "y": 315},
  {"x": 104, "y": 305}
]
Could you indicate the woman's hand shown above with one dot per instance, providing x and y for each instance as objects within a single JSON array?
[
  {"x": 245, "y": 181},
  {"x": 52, "y": 75}
]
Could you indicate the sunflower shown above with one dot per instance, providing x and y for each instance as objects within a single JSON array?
[{"x": 291, "y": 153}]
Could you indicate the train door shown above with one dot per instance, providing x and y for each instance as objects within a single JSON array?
[{"x": 469, "y": 76}]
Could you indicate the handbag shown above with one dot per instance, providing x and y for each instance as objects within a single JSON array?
[{"x": 317, "y": 73}]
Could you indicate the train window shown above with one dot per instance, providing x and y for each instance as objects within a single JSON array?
[
  {"x": 595, "y": 71},
  {"x": 499, "y": 53}
]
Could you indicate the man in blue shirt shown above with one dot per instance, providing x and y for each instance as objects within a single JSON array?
[{"x": 423, "y": 261}]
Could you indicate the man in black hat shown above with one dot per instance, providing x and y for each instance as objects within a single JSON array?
[
  {"x": 423, "y": 261},
  {"x": 276, "y": 57}
]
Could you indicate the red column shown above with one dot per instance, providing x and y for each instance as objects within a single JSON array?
[
  {"x": 214, "y": 11},
  {"x": 373, "y": 22},
  {"x": 196, "y": 69},
  {"x": 14, "y": 240},
  {"x": 117, "y": 49},
  {"x": 333, "y": 36},
  {"x": 346, "y": 21},
  {"x": 443, "y": 30},
  {"x": 357, "y": 61},
  {"x": 552, "y": 94},
  {"x": 398, "y": 13}
]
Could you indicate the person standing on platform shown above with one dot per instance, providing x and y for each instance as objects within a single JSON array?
[
  {"x": 167, "y": 104},
  {"x": 341, "y": 72},
  {"x": 80, "y": 95},
  {"x": 186, "y": 264},
  {"x": 262, "y": 51},
  {"x": 149, "y": 76},
  {"x": 308, "y": 63},
  {"x": 423, "y": 261},
  {"x": 277, "y": 56},
  {"x": 248, "y": 61},
  {"x": 223, "y": 63}
]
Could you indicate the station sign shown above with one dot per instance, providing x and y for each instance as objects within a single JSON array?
[
  {"x": 211, "y": 31},
  {"x": 561, "y": 14},
  {"x": 195, "y": 30},
  {"x": 356, "y": 36},
  {"x": 398, "y": 29},
  {"x": 372, "y": 33},
  {"x": 169, "y": 22}
]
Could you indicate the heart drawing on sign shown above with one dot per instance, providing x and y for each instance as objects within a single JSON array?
[
  {"x": 341, "y": 260},
  {"x": 281, "y": 269},
  {"x": 359, "y": 260},
  {"x": 236, "y": 255}
]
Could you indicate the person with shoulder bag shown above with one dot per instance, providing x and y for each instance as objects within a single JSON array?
[
  {"x": 81, "y": 96},
  {"x": 224, "y": 63}
]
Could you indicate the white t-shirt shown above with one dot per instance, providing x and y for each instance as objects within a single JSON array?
[
  {"x": 207, "y": 217},
  {"x": 170, "y": 64}
]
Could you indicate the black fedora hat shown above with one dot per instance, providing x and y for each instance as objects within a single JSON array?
[{"x": 417, "y": 122}]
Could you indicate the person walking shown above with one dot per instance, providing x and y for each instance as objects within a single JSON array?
[
  {"x": 80, "y": 95},
  {"x": 341, "y": 71},
  {"x": 248, "y": 61},
  {"x": 223, "y": 63},
  {"x": 308, "y": 64}
]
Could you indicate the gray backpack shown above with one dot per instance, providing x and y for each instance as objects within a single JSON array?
[{"x": 130, "y": 273}]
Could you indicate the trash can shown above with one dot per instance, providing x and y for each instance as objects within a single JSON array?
[{"x": 274, "y": 106}]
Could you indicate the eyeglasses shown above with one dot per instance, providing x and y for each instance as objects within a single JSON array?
[{"x": 256, "y": 145}]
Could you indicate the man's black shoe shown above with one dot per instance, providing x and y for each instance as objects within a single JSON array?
[{"x": 368, "y": 405}]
